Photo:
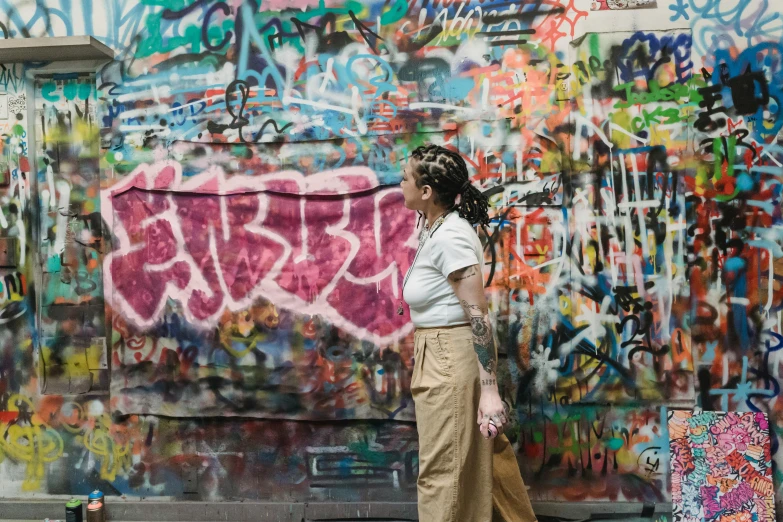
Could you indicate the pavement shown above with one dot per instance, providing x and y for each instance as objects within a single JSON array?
[
  {"x": 378, "y": 517},
  {"x": 200, "y": 511}
]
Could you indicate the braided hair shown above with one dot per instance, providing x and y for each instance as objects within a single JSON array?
[{"x": 446, "y": 172}]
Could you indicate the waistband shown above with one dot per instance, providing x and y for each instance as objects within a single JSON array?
[{"x": 436, "y": 328}]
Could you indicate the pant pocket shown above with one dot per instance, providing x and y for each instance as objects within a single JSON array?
[
  {"x": 418, "y": 360},
  {"x": 431, "y": 369},
  {"x": 442, "y": 348}
]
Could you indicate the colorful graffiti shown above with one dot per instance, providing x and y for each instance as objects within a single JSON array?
[
  {"x": 211, "y": 229},
  {"x": 70, "y": 240},
  {"x": 721, "y": 467},
  {"x": 62, "y": 446},
  {"x": 325, "y": 253}
]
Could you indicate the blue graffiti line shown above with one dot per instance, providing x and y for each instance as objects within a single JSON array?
[
  {"x": 680, "y": 11},
  {"x": 249, "y": 32},
  {"x": 750, "y": 19},
  {"x": 770, "y": 383},
  {"x": 663, "y": 50},
  {"x": 749, "y": 69},
  {"x": 778, "y": 339},
  {"x": 10, "y": 76},
  {"x": 743, "y": 392},
  {"x": 128, "y": 23},
  {"x": 709, "y": 354}
]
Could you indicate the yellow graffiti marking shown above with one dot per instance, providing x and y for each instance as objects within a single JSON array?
[
  {"x": 33, "y": 442},
  {"x": 115, "y": 456}
]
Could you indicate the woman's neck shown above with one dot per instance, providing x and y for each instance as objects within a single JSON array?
[{"x": 433, "y": 214}]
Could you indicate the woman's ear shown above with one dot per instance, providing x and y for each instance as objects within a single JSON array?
[{"x": 426, "y": 192}]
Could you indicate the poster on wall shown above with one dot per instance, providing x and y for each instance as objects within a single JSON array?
[
  {"x": 616, "y": 5},
  {"x": 721, "y": 466}
]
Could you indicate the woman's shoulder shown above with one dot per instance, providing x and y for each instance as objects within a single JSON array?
[
  {"x": 459, "y": 222},
  {"x": 454, "y": 226}
]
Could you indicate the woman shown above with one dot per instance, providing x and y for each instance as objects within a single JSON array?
[{"x": 466, "y": 464}]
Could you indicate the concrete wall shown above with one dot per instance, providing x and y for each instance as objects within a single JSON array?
[{"x": 210, "y": 239}]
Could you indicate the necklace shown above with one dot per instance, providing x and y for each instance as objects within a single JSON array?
[{"x": 426, "y": 233}]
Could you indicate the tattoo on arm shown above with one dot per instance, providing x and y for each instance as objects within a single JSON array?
[
  {"x": 482, "y": 336},
  {"x": 461, "y": 275},
  {"x": 488, "y": 382}
]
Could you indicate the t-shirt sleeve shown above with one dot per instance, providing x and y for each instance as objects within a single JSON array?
[{"x": 451, "y": 252}]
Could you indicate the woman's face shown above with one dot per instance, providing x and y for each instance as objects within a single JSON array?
[{"x": 411, "y": 193}]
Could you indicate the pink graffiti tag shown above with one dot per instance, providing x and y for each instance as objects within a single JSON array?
[{"x": 333, "y": 244}]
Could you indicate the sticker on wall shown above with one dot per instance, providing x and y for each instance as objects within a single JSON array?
[
  {"x": 616, "y": 5},
  {"x": 17, "y": 104},
  {"x": 720, "y": 467}
]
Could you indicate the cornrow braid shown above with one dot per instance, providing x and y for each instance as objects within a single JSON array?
[{"x": 446, "y": 172}]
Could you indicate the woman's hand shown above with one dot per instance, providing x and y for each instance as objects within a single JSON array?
[{"x": 491, "y": 409}]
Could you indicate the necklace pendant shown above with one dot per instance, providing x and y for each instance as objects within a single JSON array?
[{"x": 400, "y": 310}]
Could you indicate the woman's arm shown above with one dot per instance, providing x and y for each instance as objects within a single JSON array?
[{"x": 468, "y": 284}]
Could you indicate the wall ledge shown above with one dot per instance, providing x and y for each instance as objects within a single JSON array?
[{"x": 53, "y": 49}]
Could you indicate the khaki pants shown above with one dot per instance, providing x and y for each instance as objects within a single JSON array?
[{"x": 462, "y": 476}]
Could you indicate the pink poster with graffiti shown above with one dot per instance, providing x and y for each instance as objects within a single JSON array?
[
  {"x": 721, "y": 467},
  {"x": 259, "y": 277}
]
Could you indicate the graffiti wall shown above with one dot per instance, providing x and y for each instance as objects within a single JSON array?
[{"x": 202, "y": 242}]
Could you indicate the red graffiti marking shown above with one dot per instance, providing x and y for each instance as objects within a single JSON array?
[
  {"x": 333, "y": 244},
  {"x": 732, "y": 125},
  {"x": 8, "y": 416}
]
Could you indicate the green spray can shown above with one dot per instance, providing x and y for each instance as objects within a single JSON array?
[{"x": 73, "y": 511}]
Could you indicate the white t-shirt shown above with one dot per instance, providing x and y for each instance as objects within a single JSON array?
[{"x": 432, "y": 301}]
